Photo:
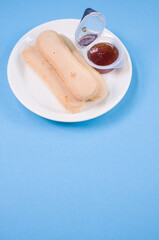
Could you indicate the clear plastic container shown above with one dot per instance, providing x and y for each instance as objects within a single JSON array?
[{"x": 90, "y": 32}]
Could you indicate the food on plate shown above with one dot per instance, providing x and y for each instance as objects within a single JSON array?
[
  {"x": 39, "y": 64},
  {"x": 103, "y": 89},
  {"x": 61, "y": 66},
  {"x": 77, "y": 77}
]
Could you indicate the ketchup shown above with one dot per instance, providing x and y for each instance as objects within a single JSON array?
[{"x": 103, "y": 54}]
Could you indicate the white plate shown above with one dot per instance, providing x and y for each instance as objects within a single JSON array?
[{"x": 34, "y": 94}]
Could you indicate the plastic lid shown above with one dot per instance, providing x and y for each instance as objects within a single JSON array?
[{"x": 91, "y": 27}]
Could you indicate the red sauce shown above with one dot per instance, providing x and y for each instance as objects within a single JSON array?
[{"x": 103, "y": 54}]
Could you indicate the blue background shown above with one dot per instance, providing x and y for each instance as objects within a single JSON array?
[{"x": 85, "y": 181}]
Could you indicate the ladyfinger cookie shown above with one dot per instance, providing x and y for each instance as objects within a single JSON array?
[
  {"x": 79, "y": 80},
  {"x": 38, "y": 63}
]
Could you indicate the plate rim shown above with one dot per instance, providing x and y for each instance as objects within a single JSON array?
[{"x": 55, "y": 118}]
